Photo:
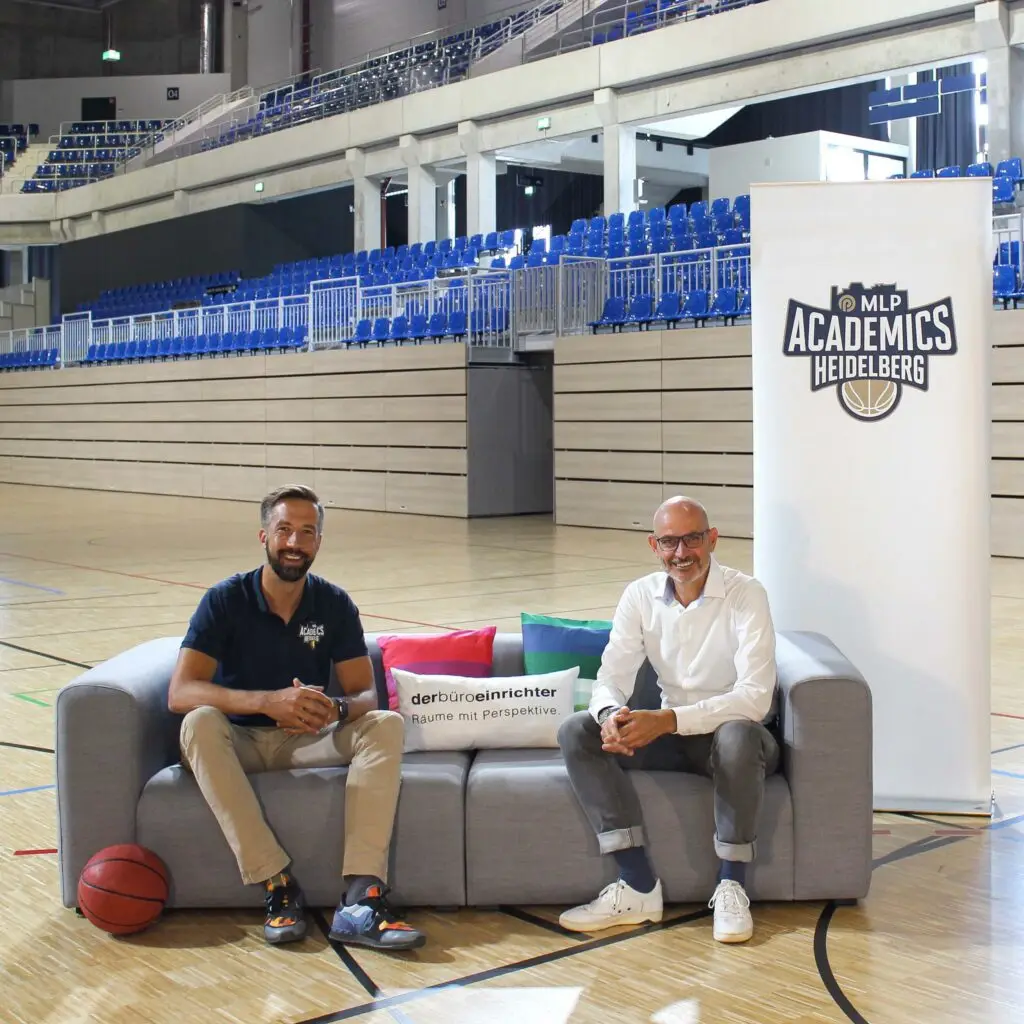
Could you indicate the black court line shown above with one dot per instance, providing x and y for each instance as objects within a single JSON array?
[
  {"x": 540, "y": 922},
  {"x": 356, "y": 969},
  {"x": 43, "y": 654},
  {"x": 1003, "y": 750},
  {"x": 821, "y": 961},
  {"x": 825, "y": 972},
  {"x": 25, "y": 746},
  {"x": 934, "y": 821},
  {"x": 499, "y": 972}
]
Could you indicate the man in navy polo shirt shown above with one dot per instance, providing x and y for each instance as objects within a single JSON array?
[{"x": 260, "y": 650}]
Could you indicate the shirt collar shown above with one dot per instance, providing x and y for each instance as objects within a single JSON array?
[
  {"x": 256, "y": 590},
  {"x": 714, "y": 585}
]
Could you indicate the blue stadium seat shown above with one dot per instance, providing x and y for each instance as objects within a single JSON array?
[
  {"x": 948, "y": 172},
  {"x": 979, "y": 170},
  {"x": 1005, "y": 285},
  {"x": 925, "y": 173},
  {"x": 1004, "y": 190},
  {"x": 418, "y": 327},
  {"x": 438, "y": 326},
  {"x": 613, "y": 316},
  {"x": 641, "y": 310},
  {"x": 1012, "y": 169},
  {"x": 381, "y": 330},
  {"x": 668, "y": 309},
  {"x": 724, "y": 306},
  {"x": 399, "y": 329},
  {"x": 744, "y": 310},
  {"x": 457, "y": 324},
  {"x": 364, "y": 332},
  {"x": 695, "y": 306}
]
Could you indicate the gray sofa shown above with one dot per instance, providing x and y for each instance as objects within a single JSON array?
[{"x": 478, "y": 829}]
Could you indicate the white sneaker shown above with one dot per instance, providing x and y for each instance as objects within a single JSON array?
[
  {"x": 731, "y": 904},
  {"x": 616, "y": 904}
]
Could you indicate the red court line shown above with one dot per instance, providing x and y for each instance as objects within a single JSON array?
[
  {"x": 1004, "y": 714},
  {"x": 193, "y": 586},
  {"x": 882, "y": 832},
  {"x": 32, "y": 853}
]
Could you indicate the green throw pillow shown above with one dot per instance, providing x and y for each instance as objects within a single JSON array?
[{"x": 552, "y": 644}]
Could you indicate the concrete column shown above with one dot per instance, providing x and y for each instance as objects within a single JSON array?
[
  {"x": 904, "y": 133},
  {"x": 481, "y": 183},
  {"x": 366, "y": 203},
  {"x": 422, "y": 192},
  {"x": 1005, "y": 81},
  {"x": 444, "y": 225},
  {"x": 619, "y": 156},
  {"x": 1005, "y": 103}
]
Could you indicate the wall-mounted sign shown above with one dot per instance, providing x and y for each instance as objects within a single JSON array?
[{"x": 173, "y": 93}]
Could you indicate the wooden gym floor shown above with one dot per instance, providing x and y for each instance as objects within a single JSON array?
[{"x": 84, "y": 575}]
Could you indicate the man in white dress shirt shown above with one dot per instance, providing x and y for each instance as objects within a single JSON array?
[{"x": 707, "y": 632}]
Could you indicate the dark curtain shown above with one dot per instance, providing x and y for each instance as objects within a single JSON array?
[
  {"x": 950, "y": 138},
  {"x": 843, "y": 110},
  {"x": 564, "y": 197}
]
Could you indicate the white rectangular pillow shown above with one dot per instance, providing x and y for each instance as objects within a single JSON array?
[{"x": 459, "y": 713}]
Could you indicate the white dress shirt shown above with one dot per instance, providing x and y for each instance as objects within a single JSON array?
[{"x": 715, "y": 659}]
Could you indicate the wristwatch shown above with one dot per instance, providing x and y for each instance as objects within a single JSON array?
[
  {"x": 605, "y": 714},
  {"x": 342, "y": 705}
]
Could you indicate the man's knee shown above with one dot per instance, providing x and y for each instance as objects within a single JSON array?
[
  {"x": 738, "y": 746},
  {"x": 384, "y": 730},
  {"x": 577, "y": 733},
  {"x": 202, "y": 725}
]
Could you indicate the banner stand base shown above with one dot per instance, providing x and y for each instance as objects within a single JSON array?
[{"x": 964, "y": 808}]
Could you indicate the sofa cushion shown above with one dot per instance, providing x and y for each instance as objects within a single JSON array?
[
  {"x": 443, "y": 712},
  {"x": 306, "y": 808},
  {"x": 556, "y": 859},
  {"x": 551, "y": 644},
  {"x": 463, "y": 652}
]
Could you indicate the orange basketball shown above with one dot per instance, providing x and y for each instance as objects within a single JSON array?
[{"x": 123, "y": 889}]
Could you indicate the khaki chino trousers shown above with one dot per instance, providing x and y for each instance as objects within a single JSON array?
[{"x": 221, "y": 755}]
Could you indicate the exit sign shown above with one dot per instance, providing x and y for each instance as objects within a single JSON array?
[{"x": 543, "y": 124}]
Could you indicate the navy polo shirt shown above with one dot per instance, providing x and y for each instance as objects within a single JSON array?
[{"x": 256, "y": 650}]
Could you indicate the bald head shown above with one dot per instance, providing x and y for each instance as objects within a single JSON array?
[{"x": 680, "y": 515}]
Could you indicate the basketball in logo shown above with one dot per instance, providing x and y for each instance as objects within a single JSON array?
[
  {"x": 847, "y": 304},
  {"x": 869, "y": 399}
]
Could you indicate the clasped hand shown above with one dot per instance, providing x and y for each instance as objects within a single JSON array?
[
  {"x": 626, "y": 731},
  {"x": 301, "y": 709}
]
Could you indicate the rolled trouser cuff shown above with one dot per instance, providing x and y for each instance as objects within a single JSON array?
[
  {"x": 741, "y": 852},
  {"x": 620, "y": 839}
]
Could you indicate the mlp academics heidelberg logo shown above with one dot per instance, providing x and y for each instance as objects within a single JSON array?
[{"x": 869, "y": 344}]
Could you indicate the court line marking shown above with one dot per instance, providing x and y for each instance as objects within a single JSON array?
[
  {"x": 25, "y": 746},
  {"x": 551, "y": 926},
  {"x": 43, "y": 654},
  {"x": 30, "y": 700},
  {"x": 1006, "y": 714},
  {"x": 499, "y": 972},
  {"x": 30, "y": 586},
  {"x": 33, "y": 853},
  {"x": 1003, "y": 750},
  {"x": 193, "y": 586},
  {"x": 1009, "y": 775},
  {"x": 821, "y": 960},
  {"x": 27, "y": 789},
  {"x": 355, "y": 968}
]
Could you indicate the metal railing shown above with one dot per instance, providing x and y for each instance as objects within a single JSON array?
[
  {"x": 621, "y": 21},
  {"x": 707, "y": 270},
  {"x": 583, "y": 288},
  {"x": 1008, "y": 241}
]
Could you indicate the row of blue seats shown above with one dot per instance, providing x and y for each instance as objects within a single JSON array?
[
  {"x": 272, "y": 339},
  {"x": 105, "y": 127},
  {"x": 31, "y": 131},
  {"x": 419, "y": 327},
  {"x": 1012, "y": 168},
  {"x": 37, "y": 358},
  {"x": 673, "y": 308}
]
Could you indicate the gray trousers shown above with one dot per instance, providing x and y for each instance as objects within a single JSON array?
[{"x": 736, "y": 757}]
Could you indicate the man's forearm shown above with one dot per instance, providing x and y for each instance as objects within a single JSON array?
[
  {"x": 360, "y": 703},
  {"x": 190, "y": 694}
]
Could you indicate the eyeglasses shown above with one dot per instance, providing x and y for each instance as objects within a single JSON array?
[{"x": 688, "y": 540}]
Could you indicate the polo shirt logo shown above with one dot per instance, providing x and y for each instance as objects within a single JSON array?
[{"x": 312, "y": 633}]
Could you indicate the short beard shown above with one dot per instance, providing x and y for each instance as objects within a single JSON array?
[{"x": 288, "y": 573}]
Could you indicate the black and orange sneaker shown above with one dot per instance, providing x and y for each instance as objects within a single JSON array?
[
  {"x": 371, "y": 922},
  {"x": 286, "y": 919}
]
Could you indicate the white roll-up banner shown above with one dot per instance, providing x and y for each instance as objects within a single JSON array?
[{"x": 872, "y": 426}]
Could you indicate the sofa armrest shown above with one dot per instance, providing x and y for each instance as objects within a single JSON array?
[
  {"x": 825, "y": 724},
  {"x": 113, "y": 734}
]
